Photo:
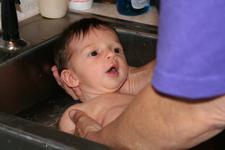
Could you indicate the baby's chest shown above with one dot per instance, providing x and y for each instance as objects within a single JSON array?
[
  {"x": 105, "y": 115},
  {"x": 106, "y": 109}
]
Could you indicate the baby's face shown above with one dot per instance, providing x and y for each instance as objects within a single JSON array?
[{"x": 98, "y": 61}]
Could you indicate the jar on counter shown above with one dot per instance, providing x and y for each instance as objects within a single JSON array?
[
  {"x": 53, "y": 8},
  {"x": 132, "y": 7},
  {"x": 80, "y": 4}
]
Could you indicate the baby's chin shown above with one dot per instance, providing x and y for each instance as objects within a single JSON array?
[{"x": 112, "y": 88}]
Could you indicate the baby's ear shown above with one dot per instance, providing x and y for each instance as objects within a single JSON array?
[{"x": 69, "y": 78}]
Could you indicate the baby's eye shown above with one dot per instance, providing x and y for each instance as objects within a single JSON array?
[
  {"x": 117, "y": 50},
  {"x": 93, "y": 53}
]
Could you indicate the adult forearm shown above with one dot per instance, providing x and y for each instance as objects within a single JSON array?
[{"x": 153, "y": 121}]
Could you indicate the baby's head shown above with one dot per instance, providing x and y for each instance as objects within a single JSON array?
[{"x": 90, "y": 58}]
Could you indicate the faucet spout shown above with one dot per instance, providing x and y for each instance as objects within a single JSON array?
[{"x": 10, "y": 39}]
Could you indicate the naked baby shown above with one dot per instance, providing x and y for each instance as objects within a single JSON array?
[{"x": 92, "y": 63}]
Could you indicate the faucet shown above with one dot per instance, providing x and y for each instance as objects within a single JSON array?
[{"x": 10, "y": 39}]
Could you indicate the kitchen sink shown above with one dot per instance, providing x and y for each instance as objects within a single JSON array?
[
  {"x": 31, "y": 102},
  {"x": 27, "y": 83}
]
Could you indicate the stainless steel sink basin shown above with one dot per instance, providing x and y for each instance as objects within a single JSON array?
[
  {"x": 25, "y": 76},
  {"x": 31, "y": 100}
]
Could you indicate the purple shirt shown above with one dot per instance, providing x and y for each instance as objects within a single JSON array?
[{"x": 191, "y": 49}]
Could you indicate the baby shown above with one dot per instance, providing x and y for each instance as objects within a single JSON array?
[{"x": 92, "y": 63}]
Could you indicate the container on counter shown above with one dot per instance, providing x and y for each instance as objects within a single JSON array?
[
  {"x": 132, "y": 7},
  {"x": 53, "y": 8},
  {"x": 80, "y": 4}
]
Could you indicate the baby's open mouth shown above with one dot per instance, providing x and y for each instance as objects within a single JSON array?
[{"x": 112, "y": 69}]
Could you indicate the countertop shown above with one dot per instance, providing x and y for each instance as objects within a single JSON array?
[
  {"x": 30, "y": 9},
  {"x": 107, "y": 9}
]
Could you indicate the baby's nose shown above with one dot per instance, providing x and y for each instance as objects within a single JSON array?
[{"x": 110, "y": 54}]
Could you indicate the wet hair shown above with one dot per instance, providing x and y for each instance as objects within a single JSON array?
[{"x": 75, "y": 30}]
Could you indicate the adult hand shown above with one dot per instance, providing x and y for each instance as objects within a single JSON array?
[
  {"x": 138, "y": 78},
  {"x": 84, "y": 124},
  {"x": 61, "y": 82}
]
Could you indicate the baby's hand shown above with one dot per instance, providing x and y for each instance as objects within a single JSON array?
[{"x": 84, "y": 123}]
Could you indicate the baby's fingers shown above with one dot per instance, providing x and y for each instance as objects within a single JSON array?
[
  {"x": 84, "y": 123},
  {"x": 56, "y": 75},
  {"x": 61, "y": 83}
]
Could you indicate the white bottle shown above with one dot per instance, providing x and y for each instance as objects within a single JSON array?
[{"x": 80, "y": 4}]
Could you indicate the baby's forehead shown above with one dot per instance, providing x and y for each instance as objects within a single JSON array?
[
  {"x": 92, "y": 30},
  {"x": 80, "y": 36}
]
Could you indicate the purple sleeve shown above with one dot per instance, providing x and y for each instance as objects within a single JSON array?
[{"x": 191, "y": 49}]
